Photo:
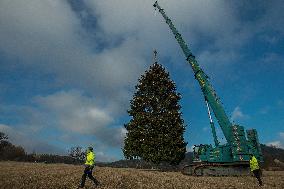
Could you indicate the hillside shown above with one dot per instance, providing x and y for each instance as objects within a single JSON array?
[{"x": 271, "y": 153}]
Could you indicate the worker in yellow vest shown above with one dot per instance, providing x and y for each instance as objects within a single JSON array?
[
  {"x": 254, "y": 167},
  {"x": 89, "y": 165}
]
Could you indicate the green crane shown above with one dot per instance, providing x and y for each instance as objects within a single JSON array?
[{"x": 228, "y": 159}]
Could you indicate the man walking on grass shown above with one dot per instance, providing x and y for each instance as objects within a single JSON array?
[
  {"x": 254, "y": 167},
  {"x": 89, "y": 165}
]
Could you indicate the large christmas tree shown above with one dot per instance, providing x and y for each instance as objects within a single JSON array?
[{"x": 155, "y": 132}]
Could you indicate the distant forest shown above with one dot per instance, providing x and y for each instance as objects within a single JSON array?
[{"x": 11, "y": 152}]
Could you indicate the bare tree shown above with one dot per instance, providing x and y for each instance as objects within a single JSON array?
[
  {"x": 77, "y": 153},
  {"x": 3, "y": 136}
]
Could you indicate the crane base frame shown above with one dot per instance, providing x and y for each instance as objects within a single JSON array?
[{"x": 217, "y": 169}]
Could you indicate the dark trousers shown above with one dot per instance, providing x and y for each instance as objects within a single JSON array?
[
  {"x": 88, "y": 172},
  {"x": 257, "y": 174}
]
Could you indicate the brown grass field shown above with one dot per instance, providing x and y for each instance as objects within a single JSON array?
[{"x": 38, "y": 175}]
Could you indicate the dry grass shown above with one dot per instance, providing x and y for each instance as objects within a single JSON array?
[{"x": 37, "y": 175}]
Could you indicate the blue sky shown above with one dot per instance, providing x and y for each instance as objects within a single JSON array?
[{"x": 68, "y": 68}]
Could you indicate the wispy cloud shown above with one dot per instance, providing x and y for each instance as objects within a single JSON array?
[
  {"x": 237, "y": 114},
  {"x": 265, "y": 110},
  {"x": 29, "y": 142},
  {"x": 205, "y": 129},
  {"x": 276, "y": 144},
  {"x": 280, "y": 103},
  {"x": 189, "y": 148}
]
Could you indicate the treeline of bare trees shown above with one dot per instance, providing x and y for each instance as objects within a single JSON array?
[
  {"x": 8, "y": 151},
  {"x": 11, "y": 152}
]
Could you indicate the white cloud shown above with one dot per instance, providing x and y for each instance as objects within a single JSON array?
[
  {"x": 189, "y": 148},
  {"x": 47, "y": 36},
  {"x": 75, "y": 113},
  {"x": 28, "y": 142},
  {"x": 237, "y": 114},
  {"x": 69, "y": 117},
  {"x": 102, "y": 157},
  {"x": 213, "y": 20},
  {"x": 35, "y": 29},
  {"x": 276, "y": 144}
]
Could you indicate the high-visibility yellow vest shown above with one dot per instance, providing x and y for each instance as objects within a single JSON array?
[
  {"x": 90, "y": 158},
  {"x": 253, "y": 164}
]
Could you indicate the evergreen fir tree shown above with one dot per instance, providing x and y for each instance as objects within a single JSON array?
[{"x": 155, "y": 132}]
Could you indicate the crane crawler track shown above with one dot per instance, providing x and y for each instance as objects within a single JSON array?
[{"x": 217, "y": 169}]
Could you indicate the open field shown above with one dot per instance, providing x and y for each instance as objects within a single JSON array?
[{"x": 37, "y": 175}]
